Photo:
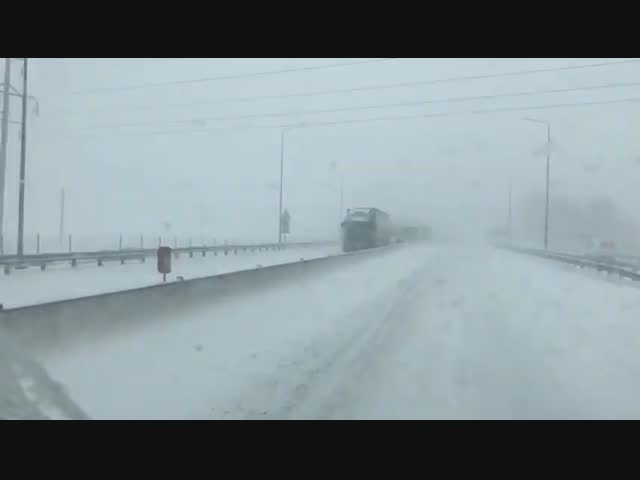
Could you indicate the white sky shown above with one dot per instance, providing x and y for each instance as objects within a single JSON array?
[{"x": 448, "y": 171}]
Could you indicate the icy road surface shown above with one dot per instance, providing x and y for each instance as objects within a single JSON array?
[
  {"x": 27, "y": 392},
  {"x": 60, "y": 281},
  {"x": 421, "y": 332}
]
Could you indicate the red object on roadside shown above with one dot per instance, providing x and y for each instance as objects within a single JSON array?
[{"x": 164, "y": 260}]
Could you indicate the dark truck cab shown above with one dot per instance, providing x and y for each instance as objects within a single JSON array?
[{"x": 365, "y": 228}]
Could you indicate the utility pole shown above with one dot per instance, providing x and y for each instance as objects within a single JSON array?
[
  {"x": 61, "y": 232},
  {"x": 3, "y": 143},
  {"x": 23, "y": 155}
]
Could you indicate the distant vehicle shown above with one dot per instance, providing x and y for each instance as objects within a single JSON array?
[{"x": 365, "y": 228}]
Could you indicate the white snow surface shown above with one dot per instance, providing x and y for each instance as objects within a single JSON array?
[
  {"x": 61, "y": 281},
  {"x": 421, "y": 332}
]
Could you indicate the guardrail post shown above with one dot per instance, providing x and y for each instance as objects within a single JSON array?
[
  {"x": 38, "y": 244},
  {"x": 99, "y": 262},
  {"x": 7, "y": 269},
  {"x": 43, "y": 266},
  {"x": 120, "y": 243},
  {"x": 69, "y": 243},
  {"x": 74, "y": 262},
  {"x": 190, "y": 253}
]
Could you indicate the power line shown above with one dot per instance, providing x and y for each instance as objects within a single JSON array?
[
  {"x": 390, "y": 85},
  {"x": 375, "y": 106},
  {"x": 472, "y": 112},
  {"x": 229, "y": 77},
  {"x": 392, "y": 118}
]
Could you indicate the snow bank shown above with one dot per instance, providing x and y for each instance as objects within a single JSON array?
[{"x": 32, "y": 286}]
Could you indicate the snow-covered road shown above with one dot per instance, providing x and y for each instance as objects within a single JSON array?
[
  {"x": 60, "y": 281},
  {"x": 494, "y": 335},
  {"x": 421, "y": 332}
]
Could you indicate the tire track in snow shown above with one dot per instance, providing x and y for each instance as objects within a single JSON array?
[{"x": 333, "y": 385}]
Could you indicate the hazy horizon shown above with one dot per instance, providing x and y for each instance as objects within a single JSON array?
[{"x": 451, "y": 172}]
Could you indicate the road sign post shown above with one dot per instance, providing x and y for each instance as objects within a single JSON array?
[{"x": 164, "y": 261}]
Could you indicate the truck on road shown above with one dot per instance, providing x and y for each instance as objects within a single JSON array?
[{"x": 365, "y": 228}]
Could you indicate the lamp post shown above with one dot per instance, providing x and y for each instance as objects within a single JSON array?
[
  {"x": 281, "y": 175},
  {"x": 546, "y": 208}
]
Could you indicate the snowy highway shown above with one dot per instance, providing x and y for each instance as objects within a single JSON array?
[
  {"x": 455, "y": 238},
  {"x": 420, "y": 331}
]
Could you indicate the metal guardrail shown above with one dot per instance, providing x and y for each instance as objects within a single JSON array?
[
  {"x": 628, "y": 267},
  {"x": 53, "y": 325},
  {"x": 9, "y": 262}
]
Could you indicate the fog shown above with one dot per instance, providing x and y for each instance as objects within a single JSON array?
[
  {"x": 189, "y": 150},
  {"x": 132, "y": 160}
]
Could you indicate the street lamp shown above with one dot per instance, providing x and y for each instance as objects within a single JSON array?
[
  {"x": 546, "y": 208},
  {"x": 284, "y": 130}
]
